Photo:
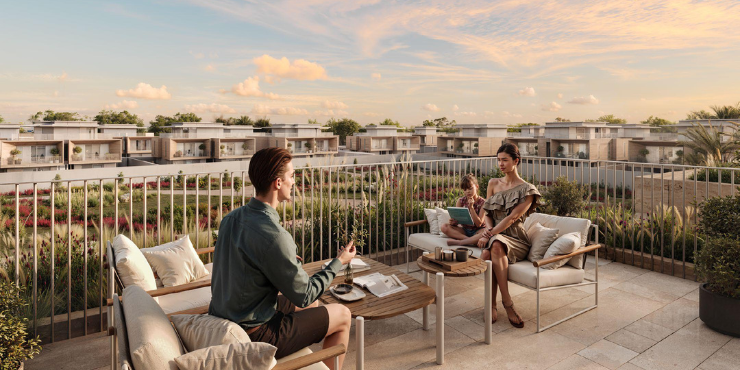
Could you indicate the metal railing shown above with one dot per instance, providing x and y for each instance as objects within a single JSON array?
[
  {"x": 95, "y": 158},
  {"x": 644, "y": 211}
]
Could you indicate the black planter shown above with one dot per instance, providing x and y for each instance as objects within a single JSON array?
[{"x": 720, "y": 313}]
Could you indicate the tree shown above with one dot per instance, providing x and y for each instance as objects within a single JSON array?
[
  {"x": 442, "y": 124},
  {"x": 262, "y": 122},
  {"x": 186, "y": 117},
  {"x": 517, "y": 127},
  {"x": 343, "y": 128},
  {"x": 243, "y": 121},
  {"x": 720, "y": 112},
  {"x": 1, "y": 119},
  {"x": 708, "y": 145},
  {"x": 226, "y": 121},
  {"x": 610, "y": 119},
  {"x": 560, "y": 119},
  {"x": 50, "y": 115},
  {"x": 109, "y": 117},
  {"x": 659, "y": 124},
  {"x": 313, "y": 121},
  {"x": 390, "y": 122},
  {"x": 160, "y": 124}
]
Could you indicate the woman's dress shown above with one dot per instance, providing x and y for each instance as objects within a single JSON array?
[{"x": 500, "y": 205}]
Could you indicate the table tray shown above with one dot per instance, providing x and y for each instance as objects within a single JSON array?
[{"x": 452, "y": 265}]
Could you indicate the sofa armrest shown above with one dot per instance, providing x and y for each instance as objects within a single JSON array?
[
  {"x": 583, "y": 250},
  {"x": 205, "y": 250},
  {"x": 313, "y": 358},
  {"x": 415, "y": 223},
  {"x": 202, "y": 310},
  {"x": 174, "y": 289}
]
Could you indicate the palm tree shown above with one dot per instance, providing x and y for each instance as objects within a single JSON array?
[
  {"x": 720, "y": 112},
  {"x": 708, "y": 145}
]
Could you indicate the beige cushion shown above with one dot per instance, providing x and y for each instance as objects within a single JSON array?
[
  {"x": 443, "y": 217},
  {"x": 431, "y": 215},
  {"x": 152, "y": 340},
  {"x": 176, "y": 262},
  {"x": 186, "y": 300},
  {"x": 565, "y": 225},
  {"x": 565, "y": 244},
  {"x": 541, "y": 238},
  {"x": 428, "y": 242},
  {"x": 131, "y": 265},
  {"x": 306, "y": 351},
  {"x": 253, "y": 356},
  {"x": 525, "y": 273},
  {"x": 201, "y": 331}
]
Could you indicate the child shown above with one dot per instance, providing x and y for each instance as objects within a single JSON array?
[{"x": 473, "y": 202}]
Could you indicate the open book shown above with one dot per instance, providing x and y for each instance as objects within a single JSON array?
[
  {"x": 358, "y": 265},
  {"x": 380, "y": 285}
]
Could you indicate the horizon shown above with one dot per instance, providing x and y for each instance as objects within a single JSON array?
[{"x": 473, "y": 61}]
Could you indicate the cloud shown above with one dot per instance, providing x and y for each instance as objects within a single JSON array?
[
  {"x": 50, "y": 77},
  {"x": 334, "y": 105},
  {"x": 466, "y": 114},
  {"x": 299, "y": 69},
  {"x": 210, "y": 68},
  {"x": 146, "y": 91},
  {"x": 430, "y": 107},
  {"x": 560, "y": 95},
  {"x": 584, "y": 100},
  {"x": 510, "y": 115},
  {"x": 63, "y": 77},
  {"x": 331, "y": 113},
  {"x": 251, "y": 87},
  {"x": 552, "y": 107},
  {"x": 527, "y": 91},
  {"x": 210, "y": 108},
  {"x": 280, "y": 111},
  {"x": 375, "y": 76},
  {"x": 455, "y": 108},
  {"x": 197, "y": 55},
  {"x": 125, "y": 105}
]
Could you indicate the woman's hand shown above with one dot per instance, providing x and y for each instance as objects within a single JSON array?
[
  {"x": 453, "y": 222},
  {"x": 487, "y": 233},
  {"x": 482, "y": 242}
]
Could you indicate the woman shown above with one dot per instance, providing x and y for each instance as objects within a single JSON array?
[
  {"x": 474, "y": 203},
  {"x": 504, "y": 240}
]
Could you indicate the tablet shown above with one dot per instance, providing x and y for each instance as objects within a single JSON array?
[{"x": 461, "y": 215}]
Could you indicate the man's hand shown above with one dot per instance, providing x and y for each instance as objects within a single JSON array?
[{"x": 347, "y": 253}]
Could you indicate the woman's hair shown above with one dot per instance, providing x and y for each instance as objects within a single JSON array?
[
  {"x": 468, "y": 181},
  {"x": 511, "y": 150},
  {"x": 266, "y": 166}
]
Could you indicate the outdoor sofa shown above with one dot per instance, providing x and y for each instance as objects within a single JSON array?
[{"x": 529, "y": 274}]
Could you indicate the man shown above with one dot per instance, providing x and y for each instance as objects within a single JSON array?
[{"x": 255, "y": 259}]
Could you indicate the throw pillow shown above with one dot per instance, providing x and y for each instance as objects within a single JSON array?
[
  {"x": 176, "y": 262},
  {"x": 565, "y": 244},
  {"x": 131, "y": 265},
  {"x": 541, "y": 238},
  {"x": 431, "y": 215},
  {"x": 202, "y": 331},
  {"x": 254, "y": 355},
  {"x": 443, "y": 217}
]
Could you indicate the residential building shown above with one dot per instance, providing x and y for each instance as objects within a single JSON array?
[
  {"x": 233, "y": 148},
  {"x": 118, "y": 130},
  {"x": 427, "y": 138},
  {"x": 184, "y": 150},
  {"x": 728, "y": 126},
  {"x": 301, "y": 139},
  {"x": 31, "y": 155},
  {"x": 383, "y": 140},
  {"x": 143, "y": 146},
  {"x": 86, "y": 147},
  {"x": 530, "y": 140},
  {"x": 580, "y": 140},
  {"x": 473, "y": 140},
  {"x": 9, "y": 131}
]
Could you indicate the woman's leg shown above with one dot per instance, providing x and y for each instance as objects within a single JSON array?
[
  {"x": 501, "y": 270},
  {"x": 454, "y": 232},
  {"x": 486, "y": 256},
  {"x": 473, "y": 240}
]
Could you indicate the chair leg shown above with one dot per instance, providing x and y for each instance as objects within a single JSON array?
[
  {"x": 360, "y": 339},
  {"x": 538, "y": 300},
  {"x": 440, "y": 318}
]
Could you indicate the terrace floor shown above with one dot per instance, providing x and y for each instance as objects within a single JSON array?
[{"x": 645, "y": 320}]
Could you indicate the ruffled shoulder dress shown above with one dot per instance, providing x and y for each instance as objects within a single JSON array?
[{"x": 500, "y": 205}]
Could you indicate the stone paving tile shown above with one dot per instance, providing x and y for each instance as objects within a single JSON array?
[
  {"x": 608, "y": 354},
  {"x": 576, "y": 362},
  {"x": 468, "y": 327},
  {"x": 675, "y": 315},
  {"x": 692, "y": 296},
  {"x": 632, "y": 341},
  {"x": 684, "y": 349},
  {"x": 725, "y": 359},
  {"x": 378, "y": 331},
  {"x": 629, "y": 366},
  {"x": 649, "y": 330},
  {"x": 666, "y": 283},
  {"x": 83, "y": 353},
  {"x": 643, "y": 291}
]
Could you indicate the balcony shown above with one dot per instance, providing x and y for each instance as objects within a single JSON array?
[
  {"x": 81, "y": 158},
  {"x": 34, "y": 161},
  {"x": 189, "y": 154}
]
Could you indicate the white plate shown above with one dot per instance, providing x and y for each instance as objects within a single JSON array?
[{"x": 355, "y": 295}]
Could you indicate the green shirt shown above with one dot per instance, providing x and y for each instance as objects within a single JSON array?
[{"x": 255, "y": 258}]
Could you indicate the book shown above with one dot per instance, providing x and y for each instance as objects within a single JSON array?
[
  {"x": 461, "y": 215},
  {"x": 358, "y": 265},
  {"x": 381, "y": 285}
]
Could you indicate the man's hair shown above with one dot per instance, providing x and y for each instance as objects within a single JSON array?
[
  {"x": 266, "y": 166},
  {"x": 468, "y": 181}
]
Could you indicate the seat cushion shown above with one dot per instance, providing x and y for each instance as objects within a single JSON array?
[
  {"x": 431, "y": 215},
  {"x": 526, "y": 274},
  {"x": 257, "y": 356},
  {"x": 428, "y": 242},
  {"x": 186, "y": 300},
  {"x": 153, "y": 342},
  {"x": 176, "y": 262},
  {"x": 541, "y": 238},
  {"x": 201, "y": 331},
  {"x": 565, "y": 225},
  {"x": 131, "y": 265},
  {"x": 303, "y": 352},
  {"x": 565, "y": 244}
]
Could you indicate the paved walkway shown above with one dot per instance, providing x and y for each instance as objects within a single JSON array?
[{"x": 645, "y": 320}]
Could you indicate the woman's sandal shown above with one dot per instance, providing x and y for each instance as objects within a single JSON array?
[{"x": 519, "y": 324}]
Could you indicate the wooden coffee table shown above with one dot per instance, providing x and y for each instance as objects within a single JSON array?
[
  {"x": 432, "y": 268},
  {"x": 418, "y": 295}
]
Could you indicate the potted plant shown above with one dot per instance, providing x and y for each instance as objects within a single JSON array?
[
  {"x": 15, "y": 153},
  {"x": 55, "y": 152},
  {"x": 290, "y": 147},
  {"x": 178, "y": 153},
  {"x": 475, "y": 148},
  {"x": 15, "y": 347},
  {"x": 718, "y": 265},
  {"x": 309, "y": 146},
  {"x": 459, "y": 147}
]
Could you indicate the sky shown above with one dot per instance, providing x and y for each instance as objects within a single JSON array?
[{"x": 292, "y": 60}]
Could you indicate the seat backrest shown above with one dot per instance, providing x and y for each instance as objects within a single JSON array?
[
  {"x": 564, "y": 224},
  {"x": 113, "y": 277},
  {"x": 124, "y": 357}
]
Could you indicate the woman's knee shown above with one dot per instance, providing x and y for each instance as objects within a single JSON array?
[
  {"x": 445, "y": 228},
  {"x": 485, "y": 255},
  {"x": 497, "y": 249}
]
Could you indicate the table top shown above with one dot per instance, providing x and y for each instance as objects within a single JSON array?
[
  {"x": 434, "y": 268},
  {"x": 417, "y": 295}
]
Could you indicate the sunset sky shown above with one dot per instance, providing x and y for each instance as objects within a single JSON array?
[{"x": 291, "y": 60}]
